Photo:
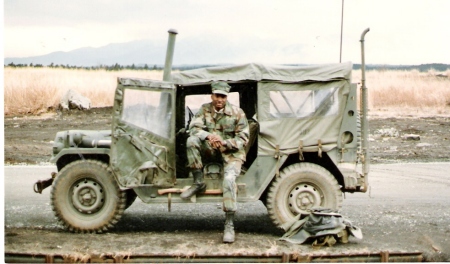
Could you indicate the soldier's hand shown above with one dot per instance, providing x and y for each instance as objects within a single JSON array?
[{"x": 215, "y": 141}]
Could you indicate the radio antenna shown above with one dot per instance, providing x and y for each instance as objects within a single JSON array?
[{"x": 342, "y": 25}]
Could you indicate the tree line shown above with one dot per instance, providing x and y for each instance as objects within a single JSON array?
[
  {"x": 422, "y": 67},
  {"x": 118, "y": 67},
  {"x": 115, "y": 67}
]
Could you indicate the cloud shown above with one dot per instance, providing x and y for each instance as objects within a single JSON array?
[{"x": 305, "y": 31}]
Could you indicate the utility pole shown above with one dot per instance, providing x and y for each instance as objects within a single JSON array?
[{"x": 342, "y": 25}]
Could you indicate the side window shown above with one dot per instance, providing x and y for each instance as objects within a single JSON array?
[
  {"x": 304, "y": 103},
  {"x": 149, "y": 110},
  {"x": 195, "y": 101}
]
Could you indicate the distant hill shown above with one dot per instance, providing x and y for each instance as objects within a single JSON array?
[
  {"x": 150, "y": 52},
  {"x": 136, "y": 52},
  {"x": 153, "y": 53}
]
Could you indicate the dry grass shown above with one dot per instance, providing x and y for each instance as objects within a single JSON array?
[
  {"x": 407, "y": 92},
  {"x": 36, "y": 90}
]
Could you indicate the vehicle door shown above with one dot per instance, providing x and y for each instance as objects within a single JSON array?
[{"x": 143, "y": 138}]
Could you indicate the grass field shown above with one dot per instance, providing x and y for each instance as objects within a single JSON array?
[
  {"x": 36, "y": 90},
  {"x": 31, "y": 91}
]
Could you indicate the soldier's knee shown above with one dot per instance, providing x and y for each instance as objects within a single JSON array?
[
  {"x": 233, "y": 168},
  {"x": 229, "y": 179}
]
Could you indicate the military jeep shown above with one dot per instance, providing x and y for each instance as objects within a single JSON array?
[{"x": 306, "y": 146}]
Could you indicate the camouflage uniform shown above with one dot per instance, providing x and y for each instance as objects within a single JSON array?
[{"x": 232, "y": 126}]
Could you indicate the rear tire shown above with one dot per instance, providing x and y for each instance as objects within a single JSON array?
[
  {"x": 86, "y": 198},
  {"x": 299, "y": 188}
]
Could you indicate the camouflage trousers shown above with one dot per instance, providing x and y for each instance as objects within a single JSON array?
[{"x": 199, "y": 151}]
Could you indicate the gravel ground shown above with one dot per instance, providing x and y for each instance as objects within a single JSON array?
[{"x": 406, "y": 210}]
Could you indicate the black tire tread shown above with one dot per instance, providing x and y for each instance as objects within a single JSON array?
[
  {"x": 118, "y": 210},
  {"x": 288, "y": 171}
]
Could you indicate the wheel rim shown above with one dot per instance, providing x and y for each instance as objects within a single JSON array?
[
  {"x": 303, "y": 197},
  {"x": 87, "y": 196}
]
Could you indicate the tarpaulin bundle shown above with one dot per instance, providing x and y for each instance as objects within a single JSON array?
[{"x": 322, "y": 226}]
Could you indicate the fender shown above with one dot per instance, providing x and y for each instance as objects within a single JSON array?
[
  {"x": 79, "y": 151},
  {"x": 259, "y": 176}
]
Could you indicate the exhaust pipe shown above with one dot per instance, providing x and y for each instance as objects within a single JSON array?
[
  {"x": 364, "y": 110},
  {"x": 167, "y": 77}
]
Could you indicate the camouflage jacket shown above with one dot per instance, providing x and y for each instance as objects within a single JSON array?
[{"x": 231, "y": 125}]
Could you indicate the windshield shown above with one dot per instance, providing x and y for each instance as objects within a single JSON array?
[{"x": 149, "y": 110}]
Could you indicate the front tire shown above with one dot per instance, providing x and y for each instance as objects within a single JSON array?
[
  {"x": 299, "y": 188},
  {"x": 86, "y": 198}
]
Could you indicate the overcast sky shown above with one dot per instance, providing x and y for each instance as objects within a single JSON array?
[{"x": 300, "y": 31}]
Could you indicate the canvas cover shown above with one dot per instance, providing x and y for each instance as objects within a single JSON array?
[
  {"x": 261, "y": 72},
  {"x": 299, "y": 107}
]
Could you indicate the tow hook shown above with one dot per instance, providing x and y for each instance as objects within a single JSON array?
[{"x": 40, "y": 185}]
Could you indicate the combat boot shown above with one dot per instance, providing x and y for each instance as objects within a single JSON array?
[
  {"x": 228, "y": 233},
  {"x": 198, "y": 186}
]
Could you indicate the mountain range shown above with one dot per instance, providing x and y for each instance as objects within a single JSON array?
[
  {"x": 135, "y": 52},
  {"x": 189, "y": 51},
  {"x": 153, "y": 53}
]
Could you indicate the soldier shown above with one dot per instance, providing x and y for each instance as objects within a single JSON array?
[{"x": 218, "y": 131}]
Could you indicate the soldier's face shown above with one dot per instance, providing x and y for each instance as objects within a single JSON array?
[{"x": 218, "y": 100}]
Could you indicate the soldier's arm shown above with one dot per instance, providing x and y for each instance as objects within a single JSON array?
[
  {"x": 241, "y": 133},
  {"x": 197, "y": 125}
]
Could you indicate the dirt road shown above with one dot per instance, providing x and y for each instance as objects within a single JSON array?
[{"x": 405, "y": 210}]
